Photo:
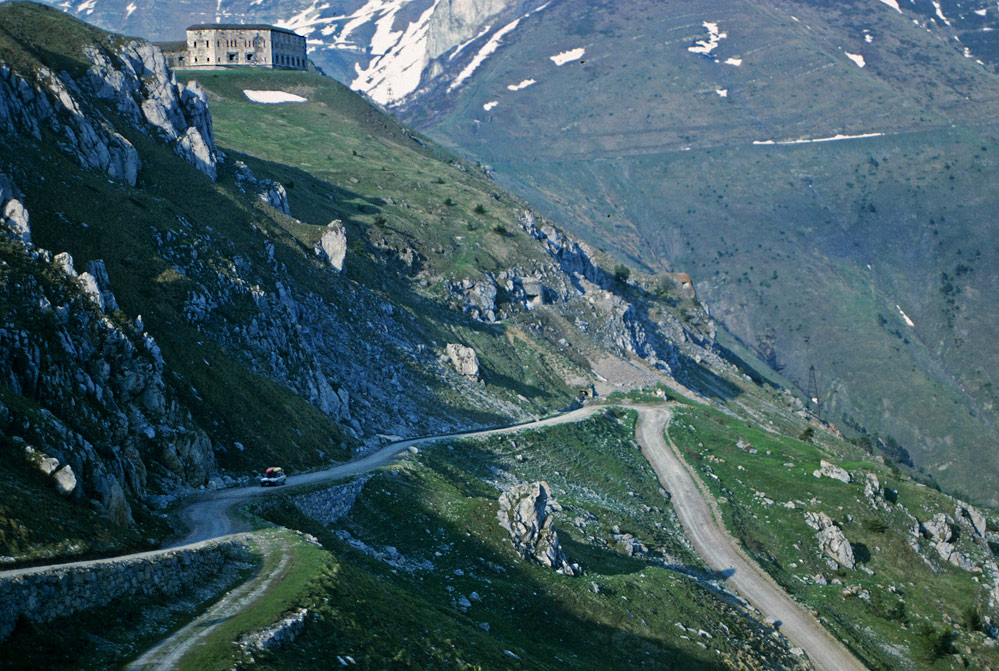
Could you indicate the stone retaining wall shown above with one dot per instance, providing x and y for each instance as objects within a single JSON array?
[
  {"x": 326, "y": 506},
  {"x": 58, "y": 591}
]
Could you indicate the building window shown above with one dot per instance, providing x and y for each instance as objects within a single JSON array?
[
  {"x": 233, "y": 57},
  {"x": 250, "y": 57}
]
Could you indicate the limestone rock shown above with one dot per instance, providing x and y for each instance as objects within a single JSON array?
[
  {"x": 972, "y": 516},
  {"x": 13, "y": 216},
  {"x": 102, "y": 283},
  {"x": 874, "y": 492},
  {"x": 43, "y": 462},
  {"x": 950, "y": 554},
  {"x": 830, "y": 470},
  {"x": 275, "y": 195},
  {"x": 525, "y": 512},
  {"x": 831, "y": 539},
  {"x": 333, "y": 244},
  {"x": 65, "y": 480},
  {"x": 464, "y": 360},
  {"x": 938, "y": 529}
]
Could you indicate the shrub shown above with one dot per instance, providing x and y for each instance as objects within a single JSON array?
[
  {"x": 479, "y": 209},
  {"x": 874, "y": 525},
  {"x": 807, "y": 435},
  {"x": 932, "y": 643},
  {"x": 622, "y": 273}
]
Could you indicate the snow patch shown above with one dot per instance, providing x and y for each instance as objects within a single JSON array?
[
  {"x": 940, "y": 14},
  {"x": 856, "y": 58},
  {"x": 893, "y": 4},
  {"x": 86, "y": 7},
  {"x": 485, "y": 52},
  {"x": 834, "y": 138},
  {"x": 905, "y": 316},
  {"x": 705, "y": 47},
  {"x": 522, "y": 85},
  {"x": 733, "y": 61},
  {"x": 273, "y": 97},
  {"x": 464, "y": 44},
  {"x": 868, "y": 38},
  {"x": 722, "y": 92},
  {"x": 982, "y": 12},
  {"x": 129, "y": 9},
  {"x": 568, "y": 56},
  {"x": 489, "y": 105},
  {"x": 399, "y": 56}
]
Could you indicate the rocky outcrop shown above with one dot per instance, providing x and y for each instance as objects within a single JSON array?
[
  {"x": 455, "y": 21},
  {"x": 54, "y": 102},
  {"x": 526, "y": 513},
  {"x": 13, "y": 216},
  {"x": 135, "y": 77},
  {"x": 938, "y": 528},
  {"x": 832, "y": 541},
  {"x": 464, "y": 360},
  {"x": 874, "y": 492},
  {"x": 332, "y": 246},
  {"x": 830, "y": 470},
  {"x": 267, "y": 190},
  {"x": 103, "y": 411},
  {"x": 69, "y": 589},
  {"x": 971, "y": 517}
]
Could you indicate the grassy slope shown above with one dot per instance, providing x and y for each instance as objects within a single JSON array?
[
  {"x": 778, "y": 239},
  {"x": 440, "y": 507},
  {"x": 906, "y": 593}
]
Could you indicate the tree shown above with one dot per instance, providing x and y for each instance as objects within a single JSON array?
[{"x": 622, "y": 273}]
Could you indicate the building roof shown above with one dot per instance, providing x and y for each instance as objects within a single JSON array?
[
  {"x": 241, "y": 26},
  {"x": 179, "y": 45}
]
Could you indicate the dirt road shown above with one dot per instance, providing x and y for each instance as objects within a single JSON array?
[{"x": 721, "y": 552}]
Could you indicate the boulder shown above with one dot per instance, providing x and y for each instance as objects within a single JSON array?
[
  {"x": 971, "y": 516},
  {"x": 830, "y": 470},
  {"x": 65, "y": 480},
  {"x": 831, "y": 539},
  {"x": 464, "y": 360},
  {"x": 950, "y": 554},
  {"x": 525, "y": 512},
  {"x": 333, "y": 244},
  {"x": 938, "y": 529}
]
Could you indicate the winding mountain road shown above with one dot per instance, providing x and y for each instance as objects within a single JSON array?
[
  {"x": 721, "y": 552},
  {"x": 208, "y": 517}
]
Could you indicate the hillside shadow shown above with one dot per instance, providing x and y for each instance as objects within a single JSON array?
[{"x": 517, "y": 597}]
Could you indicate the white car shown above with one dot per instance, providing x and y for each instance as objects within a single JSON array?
[{"x": 273, "y": 477}]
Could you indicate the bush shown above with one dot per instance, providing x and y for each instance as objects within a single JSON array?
[
  {"x": 449, "y": 202},
  {"x": 500, "y": 229},
  {"x": 622, "y": 273},
  {"x": 874, "y": 525},
  {"x": 807, "y": 435},
  {"x": 932, "y": 643},
  {"x": 479, "y": 209}
]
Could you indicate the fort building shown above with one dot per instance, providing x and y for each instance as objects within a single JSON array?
[{"x": 214, "y": 46}]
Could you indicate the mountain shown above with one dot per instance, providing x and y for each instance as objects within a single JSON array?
[
  {"x": 713, "y": 137},
  {"x": 204, "y": 312},
  {"x": 195, "y": 284},
  {"x": 857, "y": 241}
]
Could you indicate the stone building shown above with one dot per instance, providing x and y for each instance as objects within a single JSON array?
[{"x": 225, "y": 45}]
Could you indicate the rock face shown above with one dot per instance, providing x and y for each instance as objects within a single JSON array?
[
  {"x": 830, "y": 470},
  {"x": 938, "y": 529},
  {"x": 13, "y": 216},
  {"x": 832, "y": 541},
  {"x": 525, "y": 512},
  {"x": 874, "y": 492},
  {"x": 333, "y": 245},
  {"x": 455, "y": 21},
  {"x": 971, "y": 516},
  {"x": 464, "y": 360},
  {"x": 135, "y": 77}
]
